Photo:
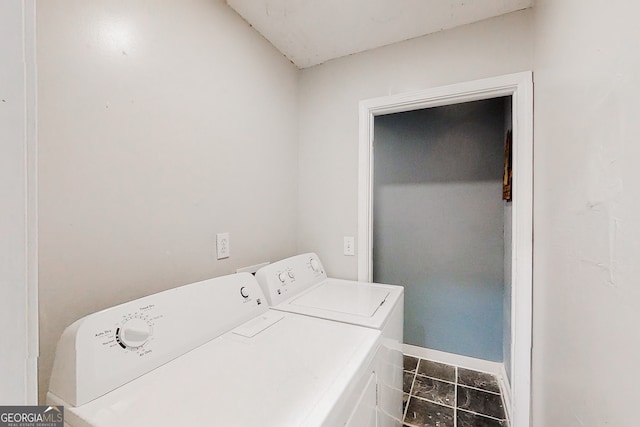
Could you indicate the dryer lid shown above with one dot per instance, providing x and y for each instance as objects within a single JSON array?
[
  {"x": 358, "y": 299},
  {"x": 298, "y": 371}
]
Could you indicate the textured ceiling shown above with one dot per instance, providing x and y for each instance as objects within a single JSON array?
[{"x": 310, "y": 32}]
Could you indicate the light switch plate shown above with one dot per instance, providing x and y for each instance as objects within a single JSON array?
[
  {"x": 349, "y": 246},
  {"x": 222, "y": 245}
]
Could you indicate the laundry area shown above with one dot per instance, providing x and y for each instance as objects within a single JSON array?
[
  {"x": 294, "y": 213},
  {"x": 213, "y": 353}
]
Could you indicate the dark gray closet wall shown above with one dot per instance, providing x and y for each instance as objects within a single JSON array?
[{"x": 438, "y": 223}]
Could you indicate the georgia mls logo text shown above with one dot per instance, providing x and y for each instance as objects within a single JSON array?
[{"x": 31, "y": 416}]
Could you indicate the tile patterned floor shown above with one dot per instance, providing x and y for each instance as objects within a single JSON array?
[{"x": 439, "y": 395}]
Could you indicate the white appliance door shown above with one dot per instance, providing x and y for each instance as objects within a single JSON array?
[{"x": 354, "y": 298}]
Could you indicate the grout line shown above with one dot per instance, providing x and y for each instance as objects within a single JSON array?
[
  {"x": 481, "y": 389},
  {"x": 433, "y": 401},
  {"x": 404, "y": 413},
  {"x": 437, "y": 379},
  {"x": 483, "y": 415}
]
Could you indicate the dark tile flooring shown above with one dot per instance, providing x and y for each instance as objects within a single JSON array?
[{"x": 439, "y": 395}]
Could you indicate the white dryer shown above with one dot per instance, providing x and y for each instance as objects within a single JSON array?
[
  {"x": 212, "y": 354},
  {"x": 299, "y": 284}
]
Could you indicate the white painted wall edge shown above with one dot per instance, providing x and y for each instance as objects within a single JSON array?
[
  {"x": 522, "y": 252},
  {"x": 18, "y": 219},
  {"x": 31, "y": 158},
  {"x": 520, "y": 87}
]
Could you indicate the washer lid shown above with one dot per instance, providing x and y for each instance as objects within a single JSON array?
[{"x": 355, "y": 298}]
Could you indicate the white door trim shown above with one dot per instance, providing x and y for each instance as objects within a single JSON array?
[
  {"x": 18, "y": 218},
  {"x": 31, "y": 159},
  {"x": 520, "y": 87}
]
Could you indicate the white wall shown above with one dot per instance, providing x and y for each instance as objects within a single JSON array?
[
  {"x": 161, "y": 124},
  {"x": 18, "y": 265},
  {"x": 329, "y": 96},
  {"x": 587, "y": 211},
  {"x": 130, "y": 198}
]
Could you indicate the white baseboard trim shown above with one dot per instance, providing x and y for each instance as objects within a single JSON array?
[
  {"x": 494, "y": 368},
  {"x": 505, "y": 388}
]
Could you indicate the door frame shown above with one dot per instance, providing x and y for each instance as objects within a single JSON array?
[
  {"x": 19, "y": 221},
  {"x": 520, "y": 87}
]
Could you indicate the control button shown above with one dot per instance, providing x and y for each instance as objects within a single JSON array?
[
  {"x": 282, "y": 277},
  {"x": 290, "y": 274},
  {"x": 134, "y": 333},
  {"x": 315, "y": 265},
  {"x": 244, "y": 292}
]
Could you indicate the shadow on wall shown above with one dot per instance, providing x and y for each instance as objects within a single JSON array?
[{"x": 442, "y": 144}]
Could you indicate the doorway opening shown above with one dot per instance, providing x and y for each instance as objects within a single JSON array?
[
  {"x": 515, "y": 91},
  {"x": 439, "y": 224}
]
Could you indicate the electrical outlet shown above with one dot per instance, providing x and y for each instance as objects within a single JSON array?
[
  {"x": 349, "y": 246},
  {"x": 222, "y": 245}
]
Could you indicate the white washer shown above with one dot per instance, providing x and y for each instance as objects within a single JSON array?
[
  {"x": 299, "y": 284},
  {"x": 212, "y": 353}
]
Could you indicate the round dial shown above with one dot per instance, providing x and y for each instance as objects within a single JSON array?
[
  {"x": 282, "y": 277},
  {"x": 134, "y": 332},
  {"x": 244, "y": 292},
  {"x": 315, "y": 265},
  {"x": 290, "y": 274}
]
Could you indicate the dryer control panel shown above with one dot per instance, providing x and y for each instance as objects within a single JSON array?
[
  {"x": 107, "y": 349},
  {"x": 284, "y": 279}
]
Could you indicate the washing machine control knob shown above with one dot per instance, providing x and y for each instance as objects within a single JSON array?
[
  {"x": 290, "y": 274},
  {"x": 315, "y": 265},
  {"x": 134, "y": 333},
  {"x": 282, "y": 277}
]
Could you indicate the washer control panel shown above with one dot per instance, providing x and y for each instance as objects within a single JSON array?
[
  {"x": 283, "y": 279},
  {"x": 107, "y": 349},
  {"x": 132, "y": 331}
]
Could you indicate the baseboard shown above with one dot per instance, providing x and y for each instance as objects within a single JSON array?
[
  {"x": 505, "y": 388},
  {"x": 494, "y": 368}
]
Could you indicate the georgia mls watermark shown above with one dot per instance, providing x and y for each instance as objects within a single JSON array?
[{"x": 31, "y": 416}]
